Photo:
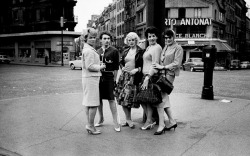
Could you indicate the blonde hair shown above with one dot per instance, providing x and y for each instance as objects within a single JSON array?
[
  {"x": 87, "y": 32},
  {"x": 132, "y": 35}
]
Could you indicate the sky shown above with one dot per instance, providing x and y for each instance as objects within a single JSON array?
[{"x": 85, "y": 8}]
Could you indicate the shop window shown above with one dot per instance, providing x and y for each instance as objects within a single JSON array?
[
  {"x": 40, "y": 53},
  {"x": 182, "y": 12},
  {"x": 24, "y": 53}
]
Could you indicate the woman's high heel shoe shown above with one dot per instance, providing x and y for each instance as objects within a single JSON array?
[
  {"x": 150, "y": 126},
  {"x": 118, "y": 129},
  {"x": 160, "y": 132},
  {"x": 131, "y": 125},
  {"x": 91, "y": 131},
  {"x": 169, "y": 128}
]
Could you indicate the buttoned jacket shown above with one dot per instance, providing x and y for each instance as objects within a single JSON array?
[{"x": 90, "y": 62}]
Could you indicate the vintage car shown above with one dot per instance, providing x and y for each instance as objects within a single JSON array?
[
  {"x": 76, "y": 63},
  {"x": 193, "y": 64},
  {"x": 4, "y": 59},
  {"x": 245, "y": 65}
]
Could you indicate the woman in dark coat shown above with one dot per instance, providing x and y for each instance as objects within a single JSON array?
[{"x": 128, "y": 83}]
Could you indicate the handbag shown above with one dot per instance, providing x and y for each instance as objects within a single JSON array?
[
  {"x": 151, "y": 95},
  {"x": 165, "y": 85}
]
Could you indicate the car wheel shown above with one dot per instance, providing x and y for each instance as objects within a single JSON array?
[
  {"x": 192, "y": 69},
  {"x": 72, "y": 67}
]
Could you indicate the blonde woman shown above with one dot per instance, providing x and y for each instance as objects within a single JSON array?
[
  {"x": 131, "y": 63},
  {"x": 90, "y": 78}
]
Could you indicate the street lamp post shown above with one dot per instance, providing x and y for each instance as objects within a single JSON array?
[{"x": 61, "y": 22}]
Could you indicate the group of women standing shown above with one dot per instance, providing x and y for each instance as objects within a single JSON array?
[{"x": 138, "y": 66}]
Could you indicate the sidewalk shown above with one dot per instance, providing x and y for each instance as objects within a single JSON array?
[{"x": 55, "y": 125}]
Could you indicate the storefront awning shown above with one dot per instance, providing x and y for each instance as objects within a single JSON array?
[{"x": 221, "y": 45}]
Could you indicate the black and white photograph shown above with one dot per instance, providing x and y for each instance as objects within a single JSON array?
[{"x": 125, "y": 78}]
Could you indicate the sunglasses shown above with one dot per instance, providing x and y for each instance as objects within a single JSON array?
[{"x": 167, "y": 37}]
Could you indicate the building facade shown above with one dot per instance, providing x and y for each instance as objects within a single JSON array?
[
  {"x": 30, "y": 30},
  {"x": 197, "y": 23}
]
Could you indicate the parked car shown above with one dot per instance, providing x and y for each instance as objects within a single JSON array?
[
  {"x": 76, "y": 63},
  {"x": 245, "y": 64},
  {"x": 193, "y": 64},
  {"x": 4, "y": 59},
  {"x": 235, "y": 64}
]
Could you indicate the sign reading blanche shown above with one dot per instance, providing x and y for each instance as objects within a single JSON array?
[{"x": 188, "y": 21}]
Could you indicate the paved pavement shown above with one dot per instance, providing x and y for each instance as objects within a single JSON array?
[{"x": 54, "y": 125}]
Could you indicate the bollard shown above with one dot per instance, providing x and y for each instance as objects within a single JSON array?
[{"x": 208, "y": 57}]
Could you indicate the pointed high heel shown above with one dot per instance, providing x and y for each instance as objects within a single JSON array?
[
  {"x": 169, "y": 128},
  {"x": 99, "y": 124},
  {"x": 118, "y": 129},
  {"x": 160, "y": 132},
  {"x": 150, "y": 126},
  {"x": 93, "y": 132},
  {"x": 124, "y": 124},
  {"x": 132, "y": 126}
]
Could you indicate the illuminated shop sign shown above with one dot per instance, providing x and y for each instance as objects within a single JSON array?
[
  {"x": 188, "y": 21},
  {"x": 191, "y": 35}
]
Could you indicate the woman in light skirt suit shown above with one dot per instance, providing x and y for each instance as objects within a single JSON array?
[{"x": 90, "y": 78}]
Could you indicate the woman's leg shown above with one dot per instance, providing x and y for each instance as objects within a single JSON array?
[
  {"x": 161, "y": 119},
  {"x": 92, "y": 113},
  {"x": 149, "y": 120},
  {"x": 100, "y": 110},
  {"x": 144, "y": 116},
  {"x": 127, "y": 112},
  {"x": 170, "y": 115},
  {"x": 87, "y": 114}
]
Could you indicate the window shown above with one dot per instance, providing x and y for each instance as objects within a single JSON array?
[
  {"x": 215, "y": 14},
  {"x": 140, "y": 17},
  {"x": 220, "y": 17},
  {"x": 182, "y": 12},
  {"x": 167, "y": 13},
  {"x": 38, "y": 15},
  {"x": 15, "y": 15},
  {"x": 197, "y": 12}
]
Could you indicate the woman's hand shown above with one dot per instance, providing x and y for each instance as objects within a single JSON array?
[
  {"x": 157, "y": 66},
  {"x": 145, "y": 83},
  {"x": 132, "y": 72},
  {"x": 102, "y": 66}
]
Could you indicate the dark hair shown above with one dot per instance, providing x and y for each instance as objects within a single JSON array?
[
  {"x": 151, "y": 30},
  {"x": 169, "y": 33},
  {"x": 105, "y": 33}
]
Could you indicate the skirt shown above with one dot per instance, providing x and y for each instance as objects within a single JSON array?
[
  {"x": 107, "y": 86},
  {"x": 90, "y": 87},
  {"x": 125, "y": 91}
]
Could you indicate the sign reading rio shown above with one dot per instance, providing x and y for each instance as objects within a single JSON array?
[{"x": 188, "y": 21}]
